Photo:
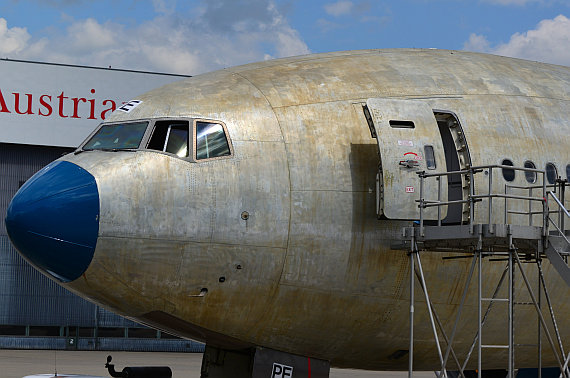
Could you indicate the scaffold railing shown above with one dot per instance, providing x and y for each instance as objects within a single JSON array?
[{"x": 475, "y": 198}]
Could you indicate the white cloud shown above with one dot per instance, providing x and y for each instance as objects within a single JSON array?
[
  {"x": 548, "y": 43},
  {"x": 89, "y": 34},
  {"x": 218, "y": 34},
  {"x": 339, "y": 8},
  {"x": 477, "y": 42},
  {"x": 12, "y": 40}
]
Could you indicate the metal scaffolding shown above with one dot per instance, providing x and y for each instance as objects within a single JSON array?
[{"x": 494, "y": 241}]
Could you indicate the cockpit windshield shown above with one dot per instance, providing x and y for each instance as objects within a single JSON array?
[{"x": 118, "y": 136}]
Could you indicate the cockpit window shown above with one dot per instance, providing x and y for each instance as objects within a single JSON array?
[
  {"x": 118, "y": 136},
  {"x": 211, "y": 141},
  {"x": 170, "y": 136}
]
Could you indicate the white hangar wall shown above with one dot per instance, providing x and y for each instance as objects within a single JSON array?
[{"x": 59, "y": 105}]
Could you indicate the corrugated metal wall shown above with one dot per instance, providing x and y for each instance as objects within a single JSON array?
[{"x": 28, "y": 298}]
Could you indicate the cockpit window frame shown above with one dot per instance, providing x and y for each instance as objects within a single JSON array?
[
  {"x": 226, "y": 133},
  {"x": 143, "y": 146}
]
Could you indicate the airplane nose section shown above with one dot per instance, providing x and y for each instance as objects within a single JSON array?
[{"x": 53, "y": 220}]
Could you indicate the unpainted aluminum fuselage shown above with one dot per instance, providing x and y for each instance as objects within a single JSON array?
[{"x": 310, "y": 271}]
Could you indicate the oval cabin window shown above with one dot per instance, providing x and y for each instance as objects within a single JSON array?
[
  {"x": 530, "y": 176},
  {"x": 508, "y": 174},
  {"x": 551, "y": 173}
]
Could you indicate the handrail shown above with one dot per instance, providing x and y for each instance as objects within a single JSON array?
[
  {"x": 474, "y": 198},
  {"x": 559, "y": 230},
  {"x": 530, "y": 186},
  {"x": 509, "y": 196},
  {"x": 559, "y": 204},
  {"x": 561, "y": 210}
]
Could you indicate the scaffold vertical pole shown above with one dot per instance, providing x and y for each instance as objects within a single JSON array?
[
  {"x": 544, "y": 209},
  {"x": 490, "y": 210},
  {"x": 511, "y": 288},
  {"x": 422, "y": 202},
  {"x": 562, "y": 200},
  {"x": 412, "y": 272},
  {"x": 479, "y": 320},
  {"x": 539, "y": 341}
]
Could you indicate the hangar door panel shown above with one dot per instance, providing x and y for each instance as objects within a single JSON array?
[{"x": 409, "y": 141}]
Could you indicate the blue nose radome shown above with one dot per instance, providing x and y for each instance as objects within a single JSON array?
[{"x": 53, "y": 220}]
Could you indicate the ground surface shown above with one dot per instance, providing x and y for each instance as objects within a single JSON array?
[{"x": 19, "y": 363}]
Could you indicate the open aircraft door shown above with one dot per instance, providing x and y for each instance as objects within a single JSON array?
[{"x": 409, "y": 141}]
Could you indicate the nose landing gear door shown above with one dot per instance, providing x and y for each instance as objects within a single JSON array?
[{"x": 409, "y": 141}]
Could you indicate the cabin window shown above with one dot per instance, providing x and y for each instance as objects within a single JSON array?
[
  {"x": 211, "y": 140},
  {"x": 397, "y": 124},
  {"x": 568, "y": 172},
  {"x": 551, "y": 173},
  {"x": 508, "y": 174},
  {"x": 430, "y": 157},
  {"x": 118, "y": 136},
  {"x": 530, "y": 176},
  {"x": 171, "y": 137}
]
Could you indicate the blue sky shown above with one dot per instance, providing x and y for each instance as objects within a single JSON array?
[{"x": 196, "y": 36}]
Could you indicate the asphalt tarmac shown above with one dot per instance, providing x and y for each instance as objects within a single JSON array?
[{"x": 19, "y": 363}]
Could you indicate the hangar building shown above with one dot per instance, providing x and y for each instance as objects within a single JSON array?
[{"x": 46, "y": 110}]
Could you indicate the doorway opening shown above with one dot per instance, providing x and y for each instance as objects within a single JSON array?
[{"x": 457, "y": 158}]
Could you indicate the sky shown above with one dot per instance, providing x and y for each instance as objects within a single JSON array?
[{"x": 195, "y": 36}]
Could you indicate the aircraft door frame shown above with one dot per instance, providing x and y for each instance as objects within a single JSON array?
[
  {"x": 403, "y": 129},
  {"x": 457, "y": 158}
]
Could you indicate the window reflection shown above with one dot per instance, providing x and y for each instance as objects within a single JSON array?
[
  {"x": 117, "y": 136},
  {"x": 211, "y": 141},
  {"x": 177, "y": 140}
]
